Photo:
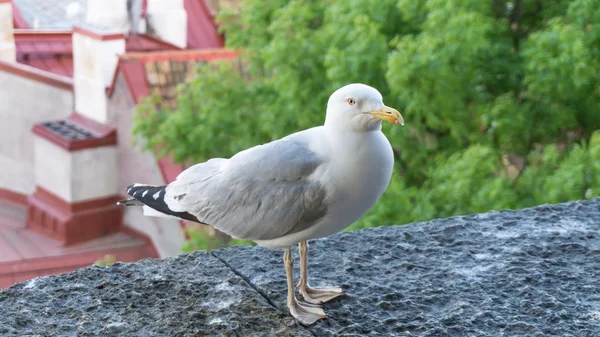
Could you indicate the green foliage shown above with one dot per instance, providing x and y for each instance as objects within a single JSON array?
[
  {"x": 201, "y": 240},
  {"x": 500, "y": 98},
  {"x": 106, "y": 260}
]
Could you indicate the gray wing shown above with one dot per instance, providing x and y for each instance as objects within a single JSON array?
[{"x": 259, "y": 194}]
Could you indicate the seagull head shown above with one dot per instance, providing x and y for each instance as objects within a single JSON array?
[{"x": 359, "y": 107}]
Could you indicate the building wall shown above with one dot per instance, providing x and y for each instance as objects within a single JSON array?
[
  {"x": 137, "y": 166},
  {"x": 24, "y": 102},
  {"x": 75, "y": 176}
]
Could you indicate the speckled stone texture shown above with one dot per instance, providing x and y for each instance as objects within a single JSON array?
[
  {"x": 190, "y": 295},
  {"x": 534, "y": 272}
]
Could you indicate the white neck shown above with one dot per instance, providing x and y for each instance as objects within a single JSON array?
[{"x": 359, "y": 123}]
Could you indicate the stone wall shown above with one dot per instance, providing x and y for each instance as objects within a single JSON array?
[
  {"x": 534, "y": 272},
  {"x": 24, "y": 102}
]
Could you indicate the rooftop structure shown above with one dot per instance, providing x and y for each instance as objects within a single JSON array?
[{"x": 74, "y": 72}]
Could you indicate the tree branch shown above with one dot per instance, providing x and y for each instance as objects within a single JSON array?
[{"x": 515, "y": 23}]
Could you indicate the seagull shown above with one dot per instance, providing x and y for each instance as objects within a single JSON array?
[{"x": 304, "y": 186}]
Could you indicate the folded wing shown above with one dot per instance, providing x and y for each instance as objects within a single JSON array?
[{"x": 262, "y": 193}]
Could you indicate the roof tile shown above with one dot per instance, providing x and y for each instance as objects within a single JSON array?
[{"x": 160, "y": 73}]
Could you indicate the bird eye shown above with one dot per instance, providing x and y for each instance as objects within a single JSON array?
[{"x": 351, "y": 101}]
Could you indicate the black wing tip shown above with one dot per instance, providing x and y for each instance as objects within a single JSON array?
[
  {"x": 146, "y": 193},
  {"x": 131, "y": 189},
  {"x": 154, "y": 197}
]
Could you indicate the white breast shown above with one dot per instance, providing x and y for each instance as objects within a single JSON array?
[
  {"x": 368, "y": 163},
  {"x": 366, "y": 160}
]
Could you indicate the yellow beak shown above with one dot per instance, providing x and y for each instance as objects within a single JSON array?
[{"x": 388, "y": 114}]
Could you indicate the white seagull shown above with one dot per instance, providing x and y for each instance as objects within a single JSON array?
[{"x": 308, "y": 185}]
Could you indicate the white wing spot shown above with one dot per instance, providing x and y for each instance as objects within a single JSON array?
[
  {"x": 156, "y": 195},
  {"x": 144, "y": 194}
]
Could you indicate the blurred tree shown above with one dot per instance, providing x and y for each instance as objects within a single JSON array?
[{"x": 500, "y": 98}]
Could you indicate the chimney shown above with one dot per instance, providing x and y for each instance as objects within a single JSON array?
[
  {"x": 168, "y": 20},
  {"x": 76, "y": 180},
  {"x": 8, "y": 50},
  {"x": 136, "y": 10},
  {"x": 111, "y": 14},
  {"x": 95, "y": 57}
]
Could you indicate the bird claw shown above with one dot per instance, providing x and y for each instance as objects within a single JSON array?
[
  {"x": 306, "y": 313},
  {"x": 320, "y": 295}
]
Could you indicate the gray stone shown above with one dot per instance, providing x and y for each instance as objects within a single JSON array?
[
  {"x": 190, "y": 295},
  {"x": 534, "y": 272}
]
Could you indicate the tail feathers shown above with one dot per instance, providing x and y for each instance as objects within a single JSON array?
[
  {"x": 153, "y": 197},
  {"x": 146, "y": 193},
  {"x": 130, "y": 202},
  {"x": 149, "y": 211}
]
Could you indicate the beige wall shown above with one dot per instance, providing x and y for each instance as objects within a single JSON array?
[
  {"x": 136, "y": 166},
  {"x": 107, "y": 13},
  {"x": 78, "y": 175},
  {"x": 7, "y": 39},
  {"x": 168, "y": 19},
  {"x": 24, "y": 102},
  {"x": 94, "y": 64}
]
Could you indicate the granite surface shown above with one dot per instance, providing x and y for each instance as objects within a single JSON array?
[
  {"x": 533, "y": 272},
  {"x": 189, "y": 295}
]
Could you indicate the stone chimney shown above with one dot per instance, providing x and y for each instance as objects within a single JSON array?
[
  {"x": 76, "y": 159},
  {"x": 76, "y": 180},
  {"x": 8, "y": 51},
  {"x": 111, "y": 14},
  {"x": 95, "y": 57},
  {"x": 168, "y": 20}
]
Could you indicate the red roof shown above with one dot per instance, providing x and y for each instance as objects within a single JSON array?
[
  {"x": 48, "y": 50},
  {"x": 131, "y": 65},
  {"x": 18, "y": 20},
  {"x": 143, "y": 43},
  {"x": 55, "y": 64},
  {"x": 202, "y": 31},
  {"x": 53, "y": 50},
  {"x": 43, "y": 42},
  {"x": 134, "y": 74}
]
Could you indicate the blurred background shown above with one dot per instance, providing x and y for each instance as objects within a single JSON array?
[
  {"x": 501, "y": 98},
  {"x": 501, "y": 103}
]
